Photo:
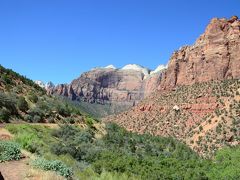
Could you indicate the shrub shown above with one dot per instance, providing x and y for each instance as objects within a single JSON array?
[
  {"x": 9, "y": 151},
  {"x": 36, "y": 113},
  {"x": 69, "y": 120},
  {"x": 89, "y": 121},
  {"x": 22, "y": 104},
  {"x": 6, "y": 79},
  {"x": 63, "y": 110},
  {"x": 36, "y": 119},
  {"x": 28, "y": 118},
  {"x": 8, "y": 101},
  {"x": 4, "y": 115},
  {"x": 49, "y": 165},
  {"x": 33, "y": 97}
]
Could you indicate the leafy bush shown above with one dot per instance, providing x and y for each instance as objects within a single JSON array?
[
  {"x": 63, "y": 110},
  {"x": 89, "y": 121},
  {"x": 33, "y": 97},
  {"x": 8, "y": 101},
  {"x": 226, "y": 164},
  {"x": 56, "y": 166},
  {"x": 22, "y": 104},
  {"x": 9, "y": 151},
  {"x": 6, "y": 79},
  {"x": 36, "y": 119},
  {"x": 4, "y": 115},
  {"x": 37, "y": 114},
  {"x": 69, "y": 120}
]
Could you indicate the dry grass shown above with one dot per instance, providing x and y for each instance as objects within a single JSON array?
[
  {"x": 5, "y": 134},
  {"x": 37, "y": 174}
]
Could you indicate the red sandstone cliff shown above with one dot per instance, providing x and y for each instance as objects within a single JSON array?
[{"x": 214, "y": 56}]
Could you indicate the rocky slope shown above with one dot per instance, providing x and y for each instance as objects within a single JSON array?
[
  {"x": 206, "y": 116},
  {"x": 197, "y": 101},
  {"x": 118, "y": 89}
]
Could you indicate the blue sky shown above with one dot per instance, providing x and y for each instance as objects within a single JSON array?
[{"x": 57, "y": 40}]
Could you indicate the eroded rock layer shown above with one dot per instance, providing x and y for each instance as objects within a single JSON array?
[{"x": 214, "y": 56}]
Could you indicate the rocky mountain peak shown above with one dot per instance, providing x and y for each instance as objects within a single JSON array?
[
  {"x": 214, "y": 56},
  {"x": 40, "y": 83},
  {"x": 160, "y": 68},
  {"x": 110, "y": 67},
  {"x": 135, "y": 67},
  {"x": 233, "y": 19},
  {"x": 47, "y": 86}
]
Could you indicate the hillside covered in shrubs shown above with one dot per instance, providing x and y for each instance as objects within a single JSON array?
[
  {"x": 23, "y": 100},
  {"x": 78, "y": 153}
]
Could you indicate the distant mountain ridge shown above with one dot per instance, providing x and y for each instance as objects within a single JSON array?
[
  {"x": 46, "y": 86},
  {"x": 117, "y": 88}
]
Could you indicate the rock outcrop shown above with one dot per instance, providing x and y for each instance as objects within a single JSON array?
[{"x": 214, "y": 56}]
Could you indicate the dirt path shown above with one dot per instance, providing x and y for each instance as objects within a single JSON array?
[
  {"x": 5, "y": 135},
  {"x": 21, "y": 170},
  {"x": 14, "y": 170}
]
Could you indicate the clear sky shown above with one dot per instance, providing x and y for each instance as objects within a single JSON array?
[{"x": 57, "y": 40}]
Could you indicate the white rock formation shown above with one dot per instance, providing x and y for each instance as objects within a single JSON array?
[
  {"x": 49, "y": 85},
  {"x": 45, "y": 85},
  {"x": 136, "y": 67},
  {"x": 40, "y": 83},
  {"x": 110, "y": 67},
  {"x": 160, "y": 68}
]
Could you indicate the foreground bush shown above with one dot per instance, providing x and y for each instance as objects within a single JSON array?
[
  {"x": 9, "y": 151},
  {"x": 4, "y": 115},
  {"x": 226, "y": 164},
  {"x": 55, "y": 165}
]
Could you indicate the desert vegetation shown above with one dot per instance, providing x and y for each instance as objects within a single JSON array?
[
  {"x": 22, "y": 100},
  {"x": 75, "y": 152},
  {"x": 203, "y": 115}
]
